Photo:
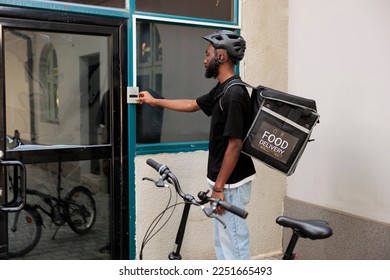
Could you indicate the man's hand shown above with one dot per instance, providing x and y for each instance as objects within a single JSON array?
[
  {"x": 221, "y": 196},
  {"x": 145, "y": 97}
]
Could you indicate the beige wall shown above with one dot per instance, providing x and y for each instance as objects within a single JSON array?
[{"x": 264, "y": 25}]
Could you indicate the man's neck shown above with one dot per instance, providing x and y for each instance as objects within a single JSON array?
[{"x": 224, "y": 75}]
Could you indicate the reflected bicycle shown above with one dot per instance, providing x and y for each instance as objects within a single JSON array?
[{"x": 77, "y": 209}]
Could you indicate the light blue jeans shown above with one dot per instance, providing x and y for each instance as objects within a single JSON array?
[{"x": 232, "y": 242}]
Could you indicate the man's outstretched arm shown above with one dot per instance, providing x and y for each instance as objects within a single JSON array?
[{"x": 181, "y": 105}]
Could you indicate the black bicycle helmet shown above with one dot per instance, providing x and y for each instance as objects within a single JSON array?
[{"x": 233, "y": 43}]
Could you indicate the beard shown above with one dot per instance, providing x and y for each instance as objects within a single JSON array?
[{"x": 211, "y": 70}]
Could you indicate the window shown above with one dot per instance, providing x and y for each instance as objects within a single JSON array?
[
  {"x": 170, "y": 65},
  {"x": 48, "y": 76},
  {"x": 207, "y": 9},
  {"x": 106, "y": 3}
]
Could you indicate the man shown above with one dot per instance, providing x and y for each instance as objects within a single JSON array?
[{"x": 229, "y": 172}]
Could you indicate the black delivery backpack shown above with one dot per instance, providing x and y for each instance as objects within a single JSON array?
[{"x": 281, "y": 127}]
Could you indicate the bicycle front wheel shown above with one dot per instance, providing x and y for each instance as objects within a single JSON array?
[
  {"x": 24, "y": 231},
  {"x": 80, "y": 209}
]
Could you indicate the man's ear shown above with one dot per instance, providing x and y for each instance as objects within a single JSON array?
[{"x": 222, "y": 55}]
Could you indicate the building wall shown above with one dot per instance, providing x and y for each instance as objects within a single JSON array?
[
  {"x": 339, "y": 56},
  {"x": 354, "y": 237},
  {"x": 264, "y": 25}
]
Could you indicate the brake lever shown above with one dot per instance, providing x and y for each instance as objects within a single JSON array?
[
  {"x": 209, "y": 211},
  {"x": 159, "y": 183}
]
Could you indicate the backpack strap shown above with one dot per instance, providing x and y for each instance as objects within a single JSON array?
[
  {"x": 272, "y": 94},
  {"x": 231, "y": 83}
]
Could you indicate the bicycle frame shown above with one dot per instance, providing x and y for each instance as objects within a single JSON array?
[
  {"x": 175, "y": 255},
  {"x": 47, "y": 199}
]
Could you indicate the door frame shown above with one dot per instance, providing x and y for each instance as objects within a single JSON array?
[{"x": 117, "y": 151}]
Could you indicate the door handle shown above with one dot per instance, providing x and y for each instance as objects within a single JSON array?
[{"x": 18, "y": 190}]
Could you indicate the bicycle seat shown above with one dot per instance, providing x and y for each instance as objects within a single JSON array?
[{"x": 313, "y": 229}]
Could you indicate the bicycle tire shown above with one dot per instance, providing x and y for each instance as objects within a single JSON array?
[
  {"x": 80, "y": 209},
  {"x": 25, "y": 234}
]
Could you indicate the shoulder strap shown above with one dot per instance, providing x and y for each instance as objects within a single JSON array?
[
  {"x": 236, "y": 82},
  {"x": 269, "y": 93},
  {"x": 233, "y": 82}
]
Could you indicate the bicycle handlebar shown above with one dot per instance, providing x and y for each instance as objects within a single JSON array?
[
  {"x": 154, "y": 164},
  {"x": 233, "y": 209},
  {"x": 164, "y": 171}
]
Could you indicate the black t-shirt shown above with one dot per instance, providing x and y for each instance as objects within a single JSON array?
[{"x": 230, "y": 117}]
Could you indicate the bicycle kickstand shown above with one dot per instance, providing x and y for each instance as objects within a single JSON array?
[{"x": 55, "y": 233}]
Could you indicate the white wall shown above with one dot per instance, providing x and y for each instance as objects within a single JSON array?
[{"x": 339, "y": 55}]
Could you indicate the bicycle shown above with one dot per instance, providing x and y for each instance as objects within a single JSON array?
[
  {"x": 166, "y": 179},
  {"x": 77, "y": 208},
  {"x": 312, "y": 229}
]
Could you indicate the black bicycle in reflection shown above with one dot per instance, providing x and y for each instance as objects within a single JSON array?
[{"x": 77, "y": 209}]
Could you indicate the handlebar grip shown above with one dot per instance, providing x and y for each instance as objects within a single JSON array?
[
  {"x": 154, "y": 164},
  {"x": 233, "y": 209}
]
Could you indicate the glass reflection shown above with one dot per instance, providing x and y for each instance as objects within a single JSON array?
[
  {"x": 57, "y": 87},
  {"x": 102, "y": 3},
  {"x": 57, "y": 96},
  {"x": 208, "y": 9},
  {"x": 170, "y": 65},
  {"x": 69, "y": 231}
]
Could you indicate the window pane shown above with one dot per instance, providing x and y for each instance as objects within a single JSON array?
[
  {"x": 105, "y": 3},
  {"x": 208, "y": 9},
  {"x": 63, "y": 95},
  {"x": 170, "y": 65},
  {"x": 48, "y": 77}
]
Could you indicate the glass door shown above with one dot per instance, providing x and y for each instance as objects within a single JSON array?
[{"x": 62, "y": 115}]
